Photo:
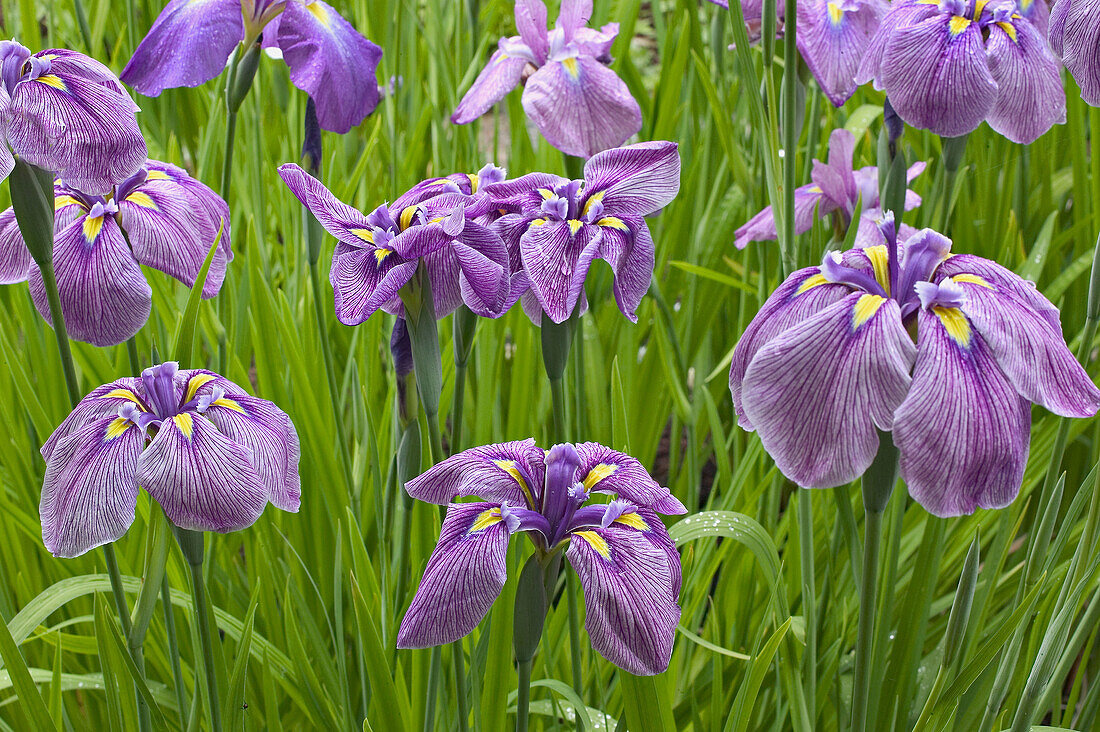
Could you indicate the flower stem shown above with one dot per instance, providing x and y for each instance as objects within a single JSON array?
[
  {"x": 242, "y": 71},
  {"x": 173, "y": 649},
  {"x": 954, "y": 150},
  {"x": 433, "y": 688},
  {"x": 191, "y": 542},
  {"x": 49, "y": 279},
  {"x": 791, "y": 129},
  {"x": 809, "y": 595},
  {"x": 523, "y": 698},
  {"x": 536, "y": 586}
]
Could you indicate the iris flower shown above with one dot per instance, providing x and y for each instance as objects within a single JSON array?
[
  {"x": 67, "y": 113},
  {"x": 211, "y": 455},
  {"x": 828, "y": 361},
  {"x": 377, "y": 254},
  {"x": 836, "y": 189},
  {"x": 832, "y": 36},
  {"x": 947, "y": 66},
  {"x": 555, "y": 227},
  {"x": 1074, "y": 36},
  {"x": 160, "y": 217},
  {"x": 628, "y": 566},
  {"x": 578, "y": 104},
  {"x": 191, "y": 40}
]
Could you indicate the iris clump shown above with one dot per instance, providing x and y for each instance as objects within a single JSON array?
[
  {"x": 159, "y": 217},
  {"x": 209, "y": 453},
  {"x": 627, "y": 564},
  {"x": 828, "y": 362}
]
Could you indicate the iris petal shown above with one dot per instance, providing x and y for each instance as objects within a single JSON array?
[
  {"x": 1030, "y": 97},
  {"x": 556, "y": 256},
  {"x": 509, "y": 472},
  {"x": 16, "y": 262},
  {"x": 100, "y": 402},
  {"x": 636, "y": 180},
  {"x": 604, "y": 470},
  {"x": 501, "y": 75}
]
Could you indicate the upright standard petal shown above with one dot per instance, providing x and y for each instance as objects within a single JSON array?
[
  {"x": 580, "y": 106},
  {"x": 635, "y": 180},
  {"x": 819, "y": 391},
  {"x": 1030, "y": 98},
  {"x": 104, "y": 296},
  {"x": 630, "y": 605},
  {"x": 936, "y": 75},
  {"x": 963, "y": 430},
  {"x": 501, "y": 75},
  {"x": 556, "y": 256},
  {"x": 464, "y": 575},
  {"x": 203, "y": 480},
  {"x": 608, "y": 471},
  {"x": 90, "y": 488},
  {"x": 331, "y": 61},
  {"x": 509, "y": 472},
  {"x": 16, "y": 262},
  {"x": 189, "y": 44}
]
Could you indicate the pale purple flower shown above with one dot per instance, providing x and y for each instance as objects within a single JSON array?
[
  {"x": 835, "y": 191},
  {"x": 1075, "y": 37},
  {"x": 212, "y": 456},
  {"x": 828, "y": 361},
  {"x": 191, "y": 40},
  {"x": 627, "y": 563},
  {"x": 948, "y": 66},
  {"x": 554, "y": 228},
  {"x": 159, "y": 217},
  {"x": 832, "y": 37},
  {"x": 377, "y": 254},
  {"x": 578, "y": 104},
  {"x": 67, "y": 113}
]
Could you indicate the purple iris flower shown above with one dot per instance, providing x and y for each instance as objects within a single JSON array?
[
  {"x": 579, "y": 105},
  {"x": 160, "y": 217},
  {"x": 828, "y": 361},
  {"x": 949, "y": 65},
  {"x": 832, "y": 37},
  {"x": 555, "y": 227},
  {"x": 627, "y": 563},
  {"x": 67, "y": 113},
  {"x": 211, "y": 455},
  {"x": 1075, "y": 36},
  {"x": 835, "y": 191},
  {"x": 377, "y": 254},
  {"x": 191, "y": 40}
]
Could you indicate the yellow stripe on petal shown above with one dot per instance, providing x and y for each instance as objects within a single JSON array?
[
  {"x": 538, "y": 222},
  {"x": 117, "y": 426},
  {"x": 92, "y": 226},
  {"x": 596, "y": 197},
  {"x": 546, "y": 193},
  {"x": 632, "y": 520},
  {"x": 574, "y": 226},
  {"x": 880, "y": 261},
  {"x": 956, "y": 324},
  {"x": 474, "y": 182},
  {"x": 485, "y": 519},
  {"x": 865, "y": 309},
  {"x": 318, "y": 11},
  {"x": 228, "y": 404},
  {"x": 570, "y": 65},
  {"x": 958, "y": 24},
  {"x": 141, "y": 199},
  {"x": 53, "y": 81},
  {"x": 598, "y": 473},
  {"x": 194, "y": 383},
  {"x": 122, "y": 394},
  {"x": 836, "y": 13},
  {"x": 509, "y": 467},
  {"x": 1009, "y": 29},
  {"x": 596, "y": 541},
  {"x": 381, "y": 253},
  {"x": 365, "y": 234},
  {"x": 811, "y": 282},
  {"x": 156, "y": 175},
  {"x": 61, "y": 202},
  {"x": 972, "y": 279},
  {"x": 979, "y": 5},
  {"x": 185, "y": 424},
  {"x": 404, "y": 221},
  {"x": 613, "y": 222}
]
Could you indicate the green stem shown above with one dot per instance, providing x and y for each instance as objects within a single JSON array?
[
  {"x": 457, "y": 405},
  {"x": 574, "y": 634},
  {"x": 133, "y": 357},
  {"x": 173, "y": 649},
  {"x": 460, "y": 683},
  {"x": 201, "y": 613},
  {"x": 49, "y": 281},
  {"x": 557, "y": 396},
  {"x": 433, "y": 688},
  {"x": 116, "y": 588},
  {"x": 809, "y": 596},
  {"x": 791, "y": 131},
  {"x": 230, "y": 138},
  {"x": 953, "y": 151},
  {"x": 861, "y": 689},
  {"x": 523, "y": 699}
]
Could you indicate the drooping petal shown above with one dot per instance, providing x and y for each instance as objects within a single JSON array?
[
  {"x": 1004, "y": 279},
  {"x": 627, "y": 246},
  {"x": 963, "y": 430},
  {"x": 268, "y": 433},
  {"x": 761, "y": 227},
  {"x": 104, "y": 296},
  {"x": 207, "y": 203},
  {"x": 1033, "y": 356},
  {"x": 607, "y": 471},
  {"x": 630, "y": 604},
  {"x": 339, "y": 219},
  {"x": 203, "y": 480},
  {"x": 188, "y": 44},
  {"x": 1037, "y": 12},
  {"x": 818, "y": 392},
  {"x": 580, "y": 106},
  {"x": 90, "y": 488},
  {"x": 16, "y": 262},
  {"x": 1030, "y": 97},
  {"x": 100, "y": 402},
  {"x": 831, "y": 40},
  {"x": 501, "y": 75},
  {"x": 167, "y": 233},
  {"x": 466, "y": 572},
  {"x": 1075, "y": 37},
  {"x": 936, "y": 75},
  {"x": 635, "y": 180},
  {"x": 902, "y": 14},
  {"x": 508, "y": 472},
  {"x": 330, "y": 61},
  {"x": 365, "y": 280},
  {"x": 802, "y": 295},
  {"x": 485, "y": 270},
  {"x": 556, "y": 256}
]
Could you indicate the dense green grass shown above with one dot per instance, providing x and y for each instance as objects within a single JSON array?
[{"x": 306, "y": 602}]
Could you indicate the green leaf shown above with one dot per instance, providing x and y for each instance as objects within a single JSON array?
[
  {"x": 184, "y": 341},
  {"x": 30, "y": 701}
]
